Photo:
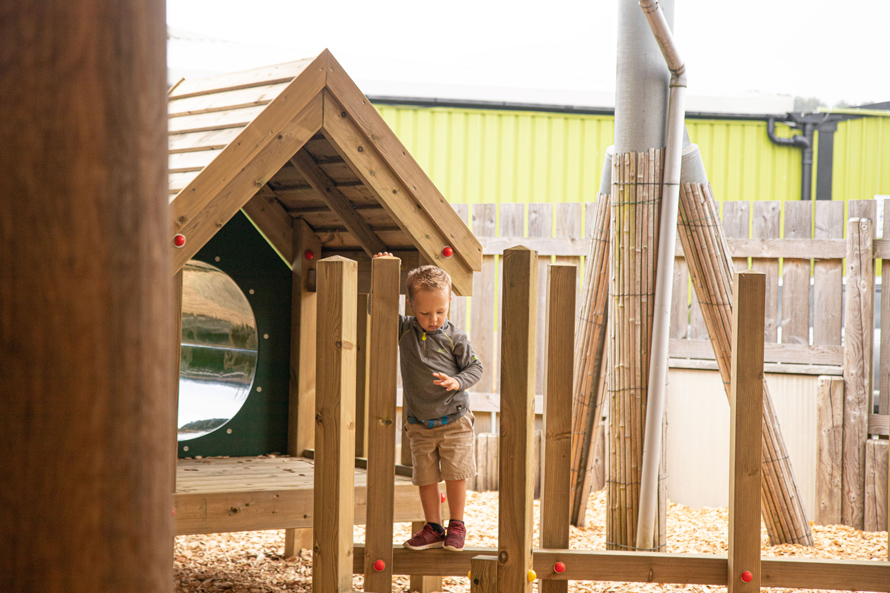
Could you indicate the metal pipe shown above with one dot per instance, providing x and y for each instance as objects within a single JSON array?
[
  {"x": 805, "y": 142},
  {"x": 667, "y": 236}
]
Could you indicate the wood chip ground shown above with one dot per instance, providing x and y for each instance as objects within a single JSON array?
[{"x": 252, "y": 562}]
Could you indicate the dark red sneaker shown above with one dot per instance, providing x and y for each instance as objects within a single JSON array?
[
  {"x": 457, "y": 533},
  {"x": 425, "y": 539}
]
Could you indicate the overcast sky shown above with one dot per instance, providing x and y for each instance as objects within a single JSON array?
[{"x": 836, "y": 51}]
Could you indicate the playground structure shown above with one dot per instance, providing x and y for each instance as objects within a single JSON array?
[
  {"x": 515, "y": 564},
  {"x": 306, "y": 156}
]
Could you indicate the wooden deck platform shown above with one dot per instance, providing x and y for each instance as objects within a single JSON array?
[{"x": 257, "y": 493}]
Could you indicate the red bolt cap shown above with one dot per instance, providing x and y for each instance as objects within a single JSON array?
[
  {"x": 447, "y": 251},
  {"x": 309, "y": 254},
  {"x": 379, "y": 565},
  {"x": 747, "y": 577},
  {"x": 559, "y": 567},
  {"x": 179, "y": 240},
  {"x": 174, "y": 511},
  {"x": 442, "y": 496}
]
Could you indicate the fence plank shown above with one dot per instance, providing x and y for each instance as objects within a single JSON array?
[
  {"x": 568, "y": 226},
  {"x": 540, "y": 224},
  {"x": 766, "y": 226},
  {"x": 512, "y": 224},
  {"x": 828, "y": 277},
  {"x": 884, "y": 382},
  {"x": 829, "y": 454},
  {"x": 736, "y": 225},
  {"x": 484, "y": 218},
  {"x": 876, "y": 469},
  {"x": 858, "y": 346},
  {"x": 796, "y": 277},
  {"x": 458, "y": 313},
  {"x": 680, "y": 300},
  {"x": 862, "y": 209}
]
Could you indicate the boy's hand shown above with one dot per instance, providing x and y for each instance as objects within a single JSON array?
[
  {"x": 382, "y": 254},
  {"x": 449, "y": 383}
]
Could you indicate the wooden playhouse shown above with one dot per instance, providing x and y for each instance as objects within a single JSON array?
[{"x": 305, "y": 156}]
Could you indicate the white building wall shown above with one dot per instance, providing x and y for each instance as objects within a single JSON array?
[{"x": 698, "y": 435}]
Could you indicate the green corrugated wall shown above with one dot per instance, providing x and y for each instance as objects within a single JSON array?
[{"x": 484, "y": 156}]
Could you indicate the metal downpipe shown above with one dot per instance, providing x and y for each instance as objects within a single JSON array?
[{"x": 667, "y": 236}]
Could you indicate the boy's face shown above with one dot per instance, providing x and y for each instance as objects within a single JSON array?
[{"x": 431, "y": 308}]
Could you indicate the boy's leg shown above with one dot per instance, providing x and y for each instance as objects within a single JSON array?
[
  {"x": 456, "y": 492},
  {"x": 431, "y": 502}
]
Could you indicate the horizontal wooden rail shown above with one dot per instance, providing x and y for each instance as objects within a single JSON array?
[
  {"x": 781, "y": 353},
  {"x": 879, "y": 424},
  {"x": 640, "y": 567},
  {"x": 818, "y": 249}
]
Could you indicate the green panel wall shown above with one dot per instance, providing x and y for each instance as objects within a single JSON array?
[
  {"x": 493, "y": 156},
  {"x": 861, "y": 159}
]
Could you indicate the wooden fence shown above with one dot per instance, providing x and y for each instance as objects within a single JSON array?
[{"x": 800, "y": 246}]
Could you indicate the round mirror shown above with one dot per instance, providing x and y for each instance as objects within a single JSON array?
[{"x": 219, "y": 350}]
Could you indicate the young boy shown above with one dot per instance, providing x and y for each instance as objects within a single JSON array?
[{"x": 438, "y": 366}]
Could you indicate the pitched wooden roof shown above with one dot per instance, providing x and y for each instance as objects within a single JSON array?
[{"x": 299, "y": 141}]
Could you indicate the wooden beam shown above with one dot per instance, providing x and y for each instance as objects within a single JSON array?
[
  {"x": 779, "y": 353},
  {"x": 176, "y": 360},
  {"x": 484, "y": 574},
  {"x": 335, "y": 426},
  {"x": 85, "y": 339},
  {"x": 217, "y": 193},
  {"x": 268, "y": 216},
  {"x": 517, "y": 419},
  {"x": 879, "y": 424},
  {"x": 362, "y": 368},
  {"x": 367, "y": 163},
  {"x": 396, "y": 157},
  {"x": 858, "y": 348},
  {"x": 559, "y": 346},
  {"x": 746, "y": 433},
  {"x": 239, "y": 80},
  {"x": 382, "y": 421},
  {"x": 876, "y": 493},
  {"x": 829, "y": 451},
  {"x": 338, "y": 203}
]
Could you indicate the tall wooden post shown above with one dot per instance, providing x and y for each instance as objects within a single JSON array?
[
  {"x": 859, "y": 323},
  {"x": 746, "y": 431},
  {"x": 382, "y": 421},
  {"x": 301, "y": 403},
  {"x": 335, "y": 426},
  {"x": 517, "y": 418},
  {"x": 556, "y": 499},
  {"x": 85, "y": 325}
]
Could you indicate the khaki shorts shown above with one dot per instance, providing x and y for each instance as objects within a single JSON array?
[{"x": 446, "y": 452}]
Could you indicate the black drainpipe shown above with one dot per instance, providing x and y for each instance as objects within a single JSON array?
[{"x": 806, "y": 143}]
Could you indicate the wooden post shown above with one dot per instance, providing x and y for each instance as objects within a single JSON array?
[
  {"x": 556, "y": 500},
  {"x": 484, "y": 574},
  {"x": 362, "y": 361},
  {"x": 176, "y": 362},
  {"x": 383, "y": 350},
  {"x": 858, "y": 348},
  {"x": 334, "y": 426},
  {"x": 884, "y": 382},
  {"x": 876, "y": 468},
  {"x": 301, "y": 406},
  {"x": 746, "y": 427},
  {"x": 85, "y": 302},
  {"x": 829, "y": 455},
  {"x": 517, "y": 418}
]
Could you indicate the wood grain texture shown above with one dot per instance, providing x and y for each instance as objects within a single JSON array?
[
  {"x": 382, "y": 424},
  {"x": 858, "y": 348},
  {"x": 484, "y": 219},
  {"x": 766, "y": 226},
  {"x": 884, "y": 378},
  {"x": 559, "y": 376},
  {"x": 484, "y": 574},
  {"x": 334, "y": 426},
  {"x": 266, "y": 213},
  {"x": 540, "y": 225},
  {"x": 304, "y": 306},
  {"x": 746, "y": 420},
  {"x": 796, "y": 276},
  {"x": 362, "y": 371},
  {"x": 876, "y": 482},
  {"x": 828, "y": 277},
  {"x": 517, "y": 419},
  {"x": 85, "y": 302},
  {"x": 829, "y": 452}
]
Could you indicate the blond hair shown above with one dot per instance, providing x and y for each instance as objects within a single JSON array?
[{"x": 428, "y": 279}]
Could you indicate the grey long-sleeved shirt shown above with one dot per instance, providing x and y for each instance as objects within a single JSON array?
[{"x": 446, "y": 350}]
